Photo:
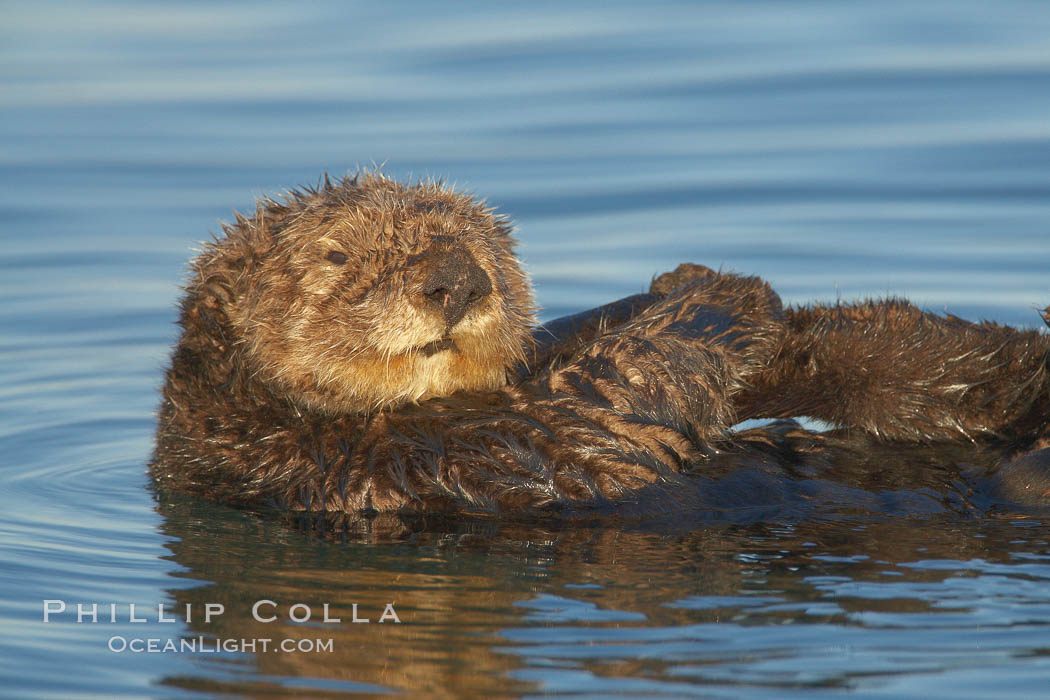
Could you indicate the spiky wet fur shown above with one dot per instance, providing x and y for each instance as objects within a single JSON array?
[
  {"x": 299, "y": 383},
  {"x": 889, "y": 369}
]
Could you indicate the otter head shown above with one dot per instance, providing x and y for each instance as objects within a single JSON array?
[{"x": 367, "y": 294}]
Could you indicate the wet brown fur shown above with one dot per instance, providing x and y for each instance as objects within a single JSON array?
[{"x": 302, "y": 379}]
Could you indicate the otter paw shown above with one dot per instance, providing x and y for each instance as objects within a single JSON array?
[{"x": 683, "y": 274}]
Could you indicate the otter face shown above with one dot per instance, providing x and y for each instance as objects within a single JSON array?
[{"x": 367, "y": 294}]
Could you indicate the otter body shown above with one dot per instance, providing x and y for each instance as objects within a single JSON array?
[{"x": 367, "y": 346}]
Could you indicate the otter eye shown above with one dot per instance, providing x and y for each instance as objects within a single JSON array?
[{"x": 337, "y": 257}]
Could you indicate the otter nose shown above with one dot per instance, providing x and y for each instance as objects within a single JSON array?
[{"x": 454, "y": 283}]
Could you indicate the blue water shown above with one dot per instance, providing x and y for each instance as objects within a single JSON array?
[{"x": 839, "y": 150}]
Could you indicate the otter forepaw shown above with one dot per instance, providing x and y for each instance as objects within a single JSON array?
[{"x": 683, "y": 274}]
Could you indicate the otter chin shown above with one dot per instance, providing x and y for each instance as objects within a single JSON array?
[{"x": 371, "y": 346}]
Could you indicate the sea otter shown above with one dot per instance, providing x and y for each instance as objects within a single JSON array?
[{"x": 367, "y": 346}]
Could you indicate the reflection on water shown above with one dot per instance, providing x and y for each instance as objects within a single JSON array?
[
  {"x": 837, "y": 150},
  {"x": 726, "y": 609}
]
